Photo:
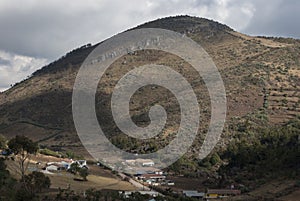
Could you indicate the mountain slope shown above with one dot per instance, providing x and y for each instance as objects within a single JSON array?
[{"x": 261, "y": 77}]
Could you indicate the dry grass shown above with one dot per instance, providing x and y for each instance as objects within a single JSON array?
[
  {"x": 63, "y": 180},
  {"x": 99, "y": 178}
]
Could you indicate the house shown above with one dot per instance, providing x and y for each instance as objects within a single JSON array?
[
  {"x": 170, "y": 183},
  {"x": 159, "y": 172},
  {"x": 56, "y": 166},
  {"x": 53, "y": 167},
  {"x": 65, "y": 164},
  {"x": 193, "y": 194},
  {"x": 156, "y": 177},
  {"x": 211, "y": 196},
  {"x": 127, "y": 194},
  {"x": 147, "y": 170},
  {"x": 220, "y": 193},
  {"x": 148, "y": 163},
  {"x": 141, "y": 162},
  {"x": 130, "y": 162},
  {"x": 82, "y": 164},
  {"x": 154, "y": 171}
]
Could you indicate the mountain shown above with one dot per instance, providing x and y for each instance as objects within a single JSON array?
[{"x": 261, "y": 77}]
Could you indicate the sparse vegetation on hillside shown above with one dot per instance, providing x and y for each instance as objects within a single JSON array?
[{"x": 256, "y": 156}]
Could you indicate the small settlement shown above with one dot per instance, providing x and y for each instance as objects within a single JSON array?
[{"x": 148, "y": 175}]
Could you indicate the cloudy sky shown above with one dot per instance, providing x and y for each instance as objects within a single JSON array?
[{"x": 34, "y": 33}]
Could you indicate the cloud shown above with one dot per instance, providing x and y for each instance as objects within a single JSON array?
[
  {"x": 50, "y": 28},
  {"x": 277, "y": 18},
  {"x": 14, "y": 68}
]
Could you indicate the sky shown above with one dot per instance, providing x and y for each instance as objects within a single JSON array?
[{"x": 33, "y": 32}]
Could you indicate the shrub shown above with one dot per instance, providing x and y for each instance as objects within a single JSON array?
[{"x": 215, "y": 158}]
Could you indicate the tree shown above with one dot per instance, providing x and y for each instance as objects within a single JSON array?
[
  {"x": 7, "y": 182},
  {"x": 23, "y": 147},
  {"x": 83, "y": 172},
  {"x": 35, "y": 182},
  {"x": 4, "y": 174},
  {"x": 75, "y": 169}
]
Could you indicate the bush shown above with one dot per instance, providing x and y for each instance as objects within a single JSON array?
[
  {"x": 215, "y": 158},
  {"x": 71, "y": 154},
  {"x": 205, "y": 163}
]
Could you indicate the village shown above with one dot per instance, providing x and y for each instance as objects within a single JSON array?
[{"x": 147, "y": 180}]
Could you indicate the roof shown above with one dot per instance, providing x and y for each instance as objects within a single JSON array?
[
  {"x": 148, "y": 170},
  {"x": 153, "y": 176},
  {"x": 52, "y": 167},
  {"x": 140, "y": 160},
  {"x": 193, "y": 193},
  {"x": 152, "y": 193}
]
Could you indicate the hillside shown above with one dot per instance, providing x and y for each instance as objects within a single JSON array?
[{"x": 261, "y": 77}]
